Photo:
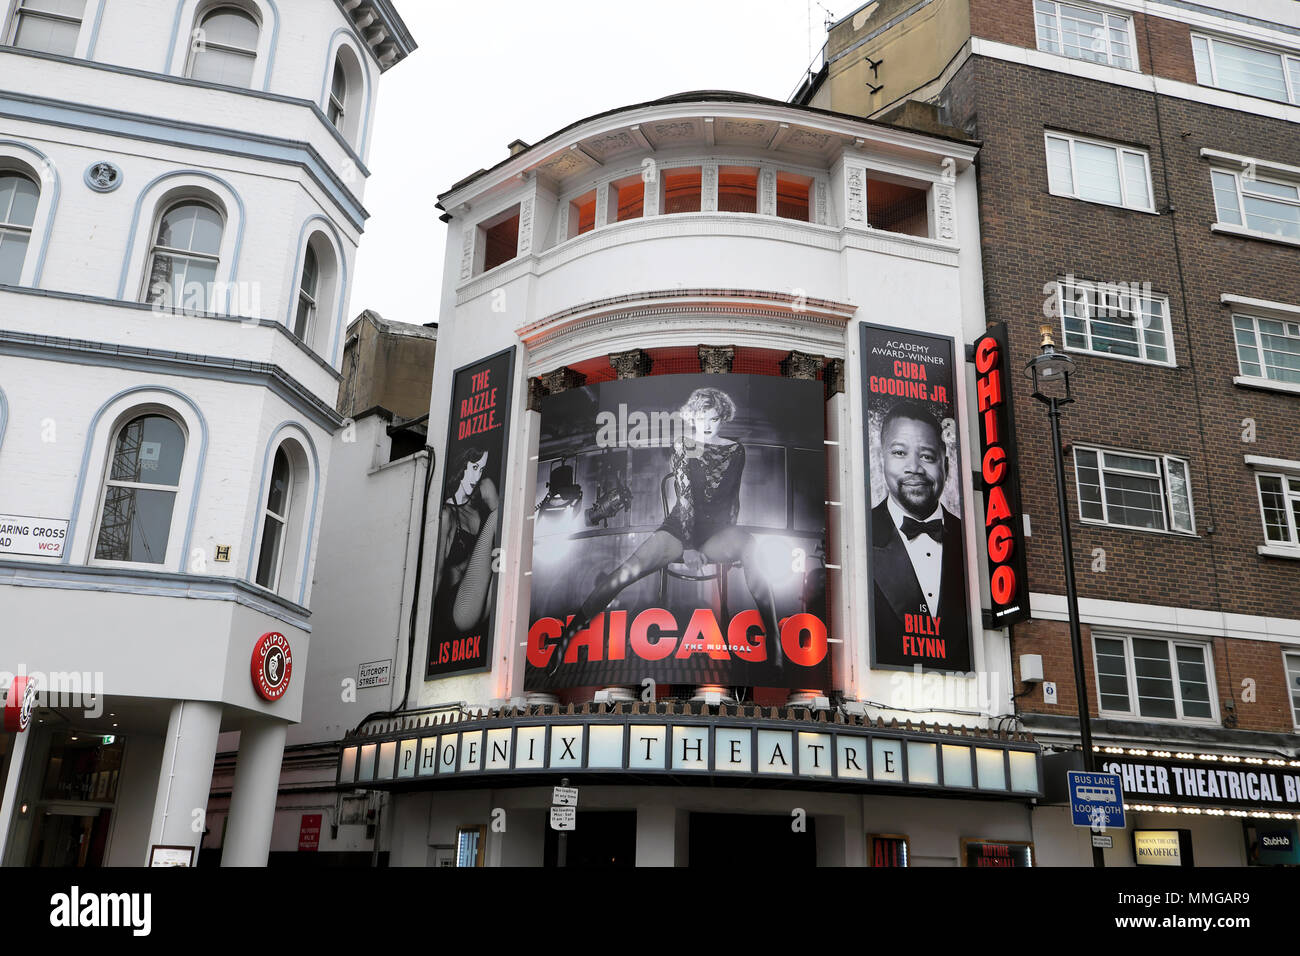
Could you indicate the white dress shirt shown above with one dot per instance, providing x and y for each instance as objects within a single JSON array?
[{"x": 926, "y": 555}]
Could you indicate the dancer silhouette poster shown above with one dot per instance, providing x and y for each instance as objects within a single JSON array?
[
  {"x": 679, "y": 528},
  {"x": 469, "y": 521},
  {"x": 914, "y": 529}
]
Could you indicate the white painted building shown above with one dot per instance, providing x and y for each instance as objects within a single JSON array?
[
  {"x": 705, "y": 232},
  {"x": 181, "y": 200}
]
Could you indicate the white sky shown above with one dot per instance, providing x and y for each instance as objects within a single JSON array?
[{"x": 491, "y": 71}]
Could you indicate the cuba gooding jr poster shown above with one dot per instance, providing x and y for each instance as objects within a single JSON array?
[
  {"x": 679, "y": 534},
  {"x": 469, "y": 525},
  {"x": 918, "y": 565}
]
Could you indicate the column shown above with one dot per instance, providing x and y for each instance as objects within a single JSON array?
[
  {"x": 252, "y": 797},
  {"x": 185, "y": 778},
  {"x": 11, "y": 784}
]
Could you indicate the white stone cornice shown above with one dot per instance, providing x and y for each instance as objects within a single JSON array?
[{"x": 676, "y": 317}]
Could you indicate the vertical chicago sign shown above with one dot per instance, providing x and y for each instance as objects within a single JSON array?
[
  {"x": 1003, "y": 524},
  {"x": 469, "y": 523},
  {"x": 918, "y": 564}
]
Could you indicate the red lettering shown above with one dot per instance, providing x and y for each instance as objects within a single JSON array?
[
  {"x": 995, "y": 465},
  {"x": 793, "y": 629},
  {"x": 540, "y": 635},
  {"x": 660, "y": 646},
  {"x": 986, "y": 355},
  {"x": 617, "y": 636},
  {"x": 998, "y": 509},
  {"x": 1002, "y": 584},
  {"x": 592, "y": 637},
  {"x": 703, "y": 626},
  {"x": 988, "y": 390},
  {"x": 1000, "y": 543},
  {"x": 747, "y": 628}
]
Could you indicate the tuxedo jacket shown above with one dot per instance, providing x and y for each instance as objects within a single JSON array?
[{"x": 897, "y": 592}]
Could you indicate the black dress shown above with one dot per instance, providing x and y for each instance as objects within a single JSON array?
[
  {"x": 708, "y": 490},
  {"x": 462, "y": 544}
]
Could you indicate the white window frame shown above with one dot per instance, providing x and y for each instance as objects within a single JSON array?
[
  {"x": 335, "y": 102},
  {"x": 202, "y": 18},
  {"x": 1162, "y": 474},
  {"x": 1293, "y": 527},
  {"x": 1238, "y": 175},
  {"x": 1288, "y": 57},
  {"x": 1289, "y": 657},
  {"x": 1108, "y": 14},
  {"x": 107, "y": 481},
  {"x": 1120, "y": 151},
  {"x": 1102, "y": 288},
  {"x": 310, "y": 298},
  {"x": 266, "y": 512},
  {"x": 1130, "y": 676},
  {"x": 1254, "y": 319},
  {"x": 146, "y": 296},
  {"x": 23, "y": 8}
]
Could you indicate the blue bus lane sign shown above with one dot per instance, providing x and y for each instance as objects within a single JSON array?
[{"x": 1096, "y": 800}]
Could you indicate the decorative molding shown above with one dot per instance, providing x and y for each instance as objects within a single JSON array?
[
  {"x": 834, "y": 377},
  {"x": 103, "y": 176},
  {"x": 801, "y": 365},
  {"x": 823, "y": 187},
  {"x": 562, "y": 220},
  {"x": 767, "y": 191},
  {"x": 526, "y": 226},
  {"x": 561, "y": 380},
  {"x": 716, "y": 359},
  {"x": 709, "y": 188},
  {"x": 856, "y": 193},
  {"x": 945, "y": 227},
  {"x": 633, "y": 363},
  {"x": 650, "y": 205},
  {"x": 467, "y": 249},
  {"x": 602, "y": 206}
]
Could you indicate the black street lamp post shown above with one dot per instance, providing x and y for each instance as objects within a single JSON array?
[{"x": 1047, "y": 368}]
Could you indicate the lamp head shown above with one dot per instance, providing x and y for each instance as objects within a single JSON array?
[{"x": 1049, "y": 366}]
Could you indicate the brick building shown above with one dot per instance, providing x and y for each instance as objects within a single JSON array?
[{"x": 1139, "y": 191}]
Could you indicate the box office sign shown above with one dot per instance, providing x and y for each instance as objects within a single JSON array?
[
  {"x": 469, "y": 522},
  {"x": 1004, "y": 529},
  {"x": 1208, "y": 784},
  {"x": 918, "y": 565},
  {"x": 1162, "y": 848},
  {"x": 678, "y": 532}
]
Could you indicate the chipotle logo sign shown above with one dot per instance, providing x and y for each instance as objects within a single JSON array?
[
  {"x": 1003, "y": 523},
  {"x": 271, "y": 666}
]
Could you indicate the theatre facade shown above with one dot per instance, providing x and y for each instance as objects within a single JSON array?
[{"x": 706, "y": 537}]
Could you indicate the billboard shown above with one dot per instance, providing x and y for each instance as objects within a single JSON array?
[
  {"x": 469, "y": 523},
  {"x": 679, "y": 525},
  {"x": 914, "y": 531}
]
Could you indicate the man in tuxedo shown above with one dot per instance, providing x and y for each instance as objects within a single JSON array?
[{"x": 917, "y": 549}]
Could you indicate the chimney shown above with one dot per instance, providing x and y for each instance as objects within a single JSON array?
[{"x": 517, "y": 146}]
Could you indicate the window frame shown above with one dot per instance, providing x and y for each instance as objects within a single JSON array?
[
  {"x": 337, "y": 106},
  {"x": 1244, "y": 226},
  {"x": 1129, "y": 31},
  {"x": 265, "y": 512},
  {"x": 106, "y": 481},
  {"x": 1120, "y": 150},
  {"x": 1098, "y": 288},
  {"x": 1130, "y": 677},
  {"x": 1162, "y": 475},
  {"x": 1254, "y": 319},
  {"x": 153, "y": 248},
  {"x": 1288, "y": 656},
  {"x": 1289, "y": 83},
  {"x": 310, "y": 297},
  {"x": 1293, "y": 524},
  {"x": 28, "y": 230},
  {"x": 20, "y": 9},
  {"x": 202, "y": 16}
]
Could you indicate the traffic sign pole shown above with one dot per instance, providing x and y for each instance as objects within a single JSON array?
[{"x": 563, "y": 853}]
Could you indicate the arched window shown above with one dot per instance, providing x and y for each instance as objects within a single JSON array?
[
  {"x": 50, "y": 26},
  {"x": 338, "y": 96},
  {"x": 184, "y": 258},
  {"x": 302, "y": 325},
  {"x": 275, "y": 520},
  {"x": 18, "y": 198},
  {"x": 225, "y": 47},
  {"x": 144, "y": 473}
]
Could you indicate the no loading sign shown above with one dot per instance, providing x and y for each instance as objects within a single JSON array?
[{"x": 272, "y": 664}]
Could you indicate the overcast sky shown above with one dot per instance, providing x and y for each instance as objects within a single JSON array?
[{"x": 491, "y": 71}]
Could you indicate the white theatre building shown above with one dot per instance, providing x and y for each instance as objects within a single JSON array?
[
  {"x": 181, "y": 202},
  {"x": 721, "y": 243}
]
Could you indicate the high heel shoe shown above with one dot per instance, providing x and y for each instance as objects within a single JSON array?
[{"x": 576, "y": 624}]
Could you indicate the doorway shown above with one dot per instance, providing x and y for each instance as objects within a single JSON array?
[
  {"x": 68, "y": 837},
  {"x": 601, "y": 839}
]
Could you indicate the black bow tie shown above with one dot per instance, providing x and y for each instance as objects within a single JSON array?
[{"x": 912, "y": 527}]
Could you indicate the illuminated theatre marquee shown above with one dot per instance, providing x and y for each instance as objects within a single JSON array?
[{"x": 719, "y": 747}]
